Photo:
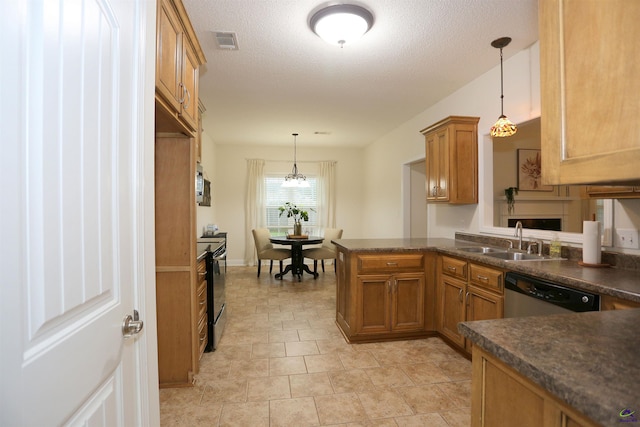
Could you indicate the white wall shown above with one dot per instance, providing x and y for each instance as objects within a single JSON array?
[
  {"x": 229, "y": 186},
  {"x": 207, "y": 214},
  {"x": 480, "y": 98},
  {"x": 370, "y": 180}
]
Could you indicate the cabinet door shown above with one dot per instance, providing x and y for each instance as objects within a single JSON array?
[
  {"x": 169, "y": 55},
  {"x": 373, "y": 314},
  {"x": 189, "y": 111},
  {"x": 431, "y": 152},
  {"x": 437, "y": 149},
  {"x": 482, "y": 305},
  {"x": 589, "y": 102},
  {"x": 407, "y": 302},
  {"x": 452, "y": 308}
]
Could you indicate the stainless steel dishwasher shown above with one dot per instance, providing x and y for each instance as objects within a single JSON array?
[{"x": 531, "y": 296}]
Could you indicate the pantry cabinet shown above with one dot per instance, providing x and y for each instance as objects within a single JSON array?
[
  {"x": 178, "y": 58},
  {"x": 467, "y": 291},
  {"x": 590, "y": 64},
  {"x": 385, "y": 295},
  {"x": 180, "y": 290},
  {"x": 451, "y": 151}
]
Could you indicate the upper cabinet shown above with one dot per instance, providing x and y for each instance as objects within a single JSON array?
[
  {"x": 451, "y": 147},
  {"x": 178, "y": 57},
  {"x": 590, "y": 80}
]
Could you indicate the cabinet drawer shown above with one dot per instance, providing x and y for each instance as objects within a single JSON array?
[
  {"x": 391, "y": 262},
  {"x": 487, "y": 278},
  {"x": 202, "y": 299},
  {"x": 202, "y": 335},
  {"x": 454, "y": 267}
]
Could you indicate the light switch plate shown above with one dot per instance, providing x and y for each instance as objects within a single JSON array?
[{"x": 627, "y": 238}]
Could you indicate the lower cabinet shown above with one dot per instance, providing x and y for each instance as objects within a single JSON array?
[
  {"x": 383, "y": 296},
  {"x": 500, "y": 396},
  {"x": 390, "y": 303},
  {"x": 467, "y": 291},
  {"x": 608, "y": 302}
]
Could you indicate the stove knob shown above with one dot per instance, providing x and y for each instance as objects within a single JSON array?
[{"x": 585, "y": 299}]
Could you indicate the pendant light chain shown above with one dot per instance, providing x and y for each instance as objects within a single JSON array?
[{"x": 503, "y": 126}]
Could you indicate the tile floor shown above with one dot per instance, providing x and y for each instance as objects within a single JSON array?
[{"x": 283, "y": 362}]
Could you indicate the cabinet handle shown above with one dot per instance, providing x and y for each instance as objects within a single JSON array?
[
  {"x": 460, "y": 294},
  {"x": 203, "y": 302},
  {"x": 450, "y": 268},
  {"x": 434, "y": 191},
  {"x": 392, "y": 264},
  {"x": 467, "y": 298},
  {"x": 186, "y": 104},
  {"x": 181, "y": 86},
  {"x": 485, "y": 278}
]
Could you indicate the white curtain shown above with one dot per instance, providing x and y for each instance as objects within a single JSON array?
[
  {"x": 254, "y": 207},
  {"x": 327, "y": 195}
]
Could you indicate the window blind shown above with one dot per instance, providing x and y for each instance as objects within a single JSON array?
[{"x": 304, "y": 197}]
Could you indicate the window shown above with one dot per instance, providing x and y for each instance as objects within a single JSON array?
[{"x": 276, "y": 196}]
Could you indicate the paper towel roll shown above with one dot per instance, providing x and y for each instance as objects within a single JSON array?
[{"x": 591, "y": 242}]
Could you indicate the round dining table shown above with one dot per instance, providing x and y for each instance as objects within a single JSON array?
[{"x": 297, "y": 266}]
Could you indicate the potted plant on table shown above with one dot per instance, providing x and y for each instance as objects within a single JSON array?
[{"x": 297, "y": 214}]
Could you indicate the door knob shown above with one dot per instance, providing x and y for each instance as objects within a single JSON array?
[{"x": 131, "y": 325}]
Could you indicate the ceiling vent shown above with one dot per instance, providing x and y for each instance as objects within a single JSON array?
[{"x": 226, "y": 41}]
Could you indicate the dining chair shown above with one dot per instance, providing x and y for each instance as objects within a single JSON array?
[
  {"x": 266, "y": 251},
  {"x": 327, "y": 251}
]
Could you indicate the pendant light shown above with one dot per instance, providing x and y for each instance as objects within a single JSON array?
[
  {"x": 504, "y": 126},
  {"x": 295, "y": 179},
  {"x": 341, "y": 24}
]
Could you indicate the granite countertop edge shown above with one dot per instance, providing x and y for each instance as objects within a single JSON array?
[
  {"x": 620, "y": 283},
  {"x": 593, "y": 376}
]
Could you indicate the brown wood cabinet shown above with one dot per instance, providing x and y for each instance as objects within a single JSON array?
[
  {"x": 589, "y": 103},
  {"x": 451, "y": 149},
  {"x": 181, "y": 292},
  {"x": 612, "y": 192},
  {"x": 500, "y": 396},
  {"x": 178, "y": 58},
  {"x": 179, "y": 286},
  {"x": 467, "y": 291},
  {"x": 201, "y": 299},
  {"x": 607, "y": 302},
  {"x": 385, "y": 295}
]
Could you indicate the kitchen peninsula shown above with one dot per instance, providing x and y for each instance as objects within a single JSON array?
[{"x": 582, "y": 366}]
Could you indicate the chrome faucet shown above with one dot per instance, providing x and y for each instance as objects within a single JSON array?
[
  {"x": 538, "y": 244},
  {"x": 518, "y": 233}
]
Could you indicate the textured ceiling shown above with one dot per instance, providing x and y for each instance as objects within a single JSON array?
[{"x": 285, "y": 79}]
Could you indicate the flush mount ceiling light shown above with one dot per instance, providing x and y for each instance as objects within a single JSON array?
[
  {"x": 341, "y": 23},
  {"x": 295, "y": 179},
  {"x": 504, "y": 126}
]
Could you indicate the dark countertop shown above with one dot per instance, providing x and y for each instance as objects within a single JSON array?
[
  {"x": 589, "y": 360},
  {"x": 207, "y": 244},
  {"x": 616, "y": 282}
]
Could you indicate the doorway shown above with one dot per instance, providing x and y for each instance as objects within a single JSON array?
[{"x": 415, "y": 199}]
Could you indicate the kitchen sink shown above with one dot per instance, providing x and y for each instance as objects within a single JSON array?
[
  {"x": 482, "y": 249},
  {"x": 519, "y": 256}
]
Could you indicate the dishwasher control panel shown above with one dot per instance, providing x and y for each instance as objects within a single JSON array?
[{"x": 553, "y": 293}]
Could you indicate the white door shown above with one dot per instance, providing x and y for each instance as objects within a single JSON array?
[{"x": 74, "y": 195}]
